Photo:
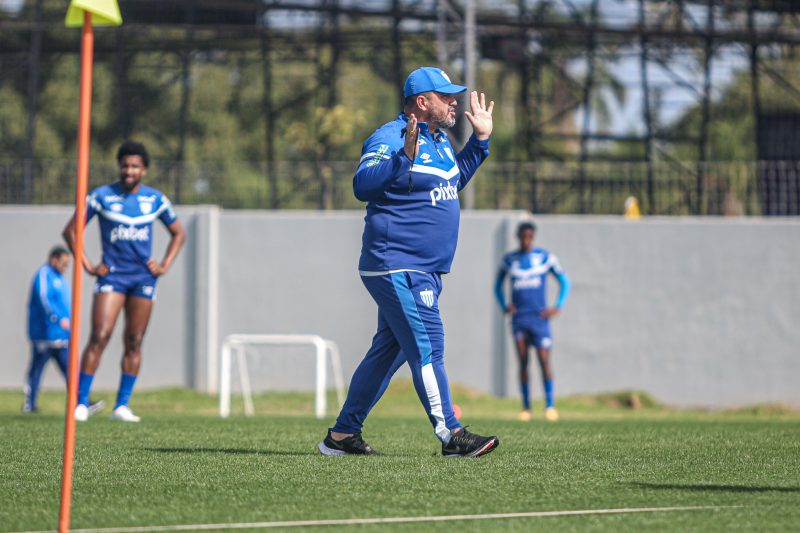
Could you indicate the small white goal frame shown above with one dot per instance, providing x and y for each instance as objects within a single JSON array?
[{"x": 238, "y": 344}]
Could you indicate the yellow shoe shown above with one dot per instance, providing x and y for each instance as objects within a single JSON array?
[
  {"x": 524, "y": 415},
  {"x": 551, "y": 414}
]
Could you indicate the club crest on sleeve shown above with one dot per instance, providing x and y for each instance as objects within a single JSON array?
[{"x": 427, "y": 297}]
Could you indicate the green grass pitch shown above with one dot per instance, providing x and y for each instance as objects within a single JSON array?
[{"x": 183, "y": 465}]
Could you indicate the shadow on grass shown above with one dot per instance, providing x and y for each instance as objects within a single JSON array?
[
  {"x": 230, "y": 451},
  {"x": 703, "y": 487}
]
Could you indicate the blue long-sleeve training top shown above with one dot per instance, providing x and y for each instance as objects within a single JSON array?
[
  {"x": 48, "y": 303},
  {"x": 413, "y": 209}
]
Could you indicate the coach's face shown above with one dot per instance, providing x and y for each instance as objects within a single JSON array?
[
  {"x": 442, "y": 110},
  {"x": 131, "y": 171}
]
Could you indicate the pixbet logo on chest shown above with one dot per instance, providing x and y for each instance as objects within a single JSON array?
[
  {"x": 130, "y": 233},
  {"x": 444, "y": 192}
]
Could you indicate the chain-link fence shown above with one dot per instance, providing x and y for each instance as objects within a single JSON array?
[{"x": 729, "y": 188}]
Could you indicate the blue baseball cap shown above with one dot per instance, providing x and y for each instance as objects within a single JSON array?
[{"x": 426, "y": 79}]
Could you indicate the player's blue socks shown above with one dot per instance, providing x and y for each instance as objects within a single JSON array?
[
  {"x": 126, "y": 383},
  {"x": 526, "y": 397},
  {"x": 84, "y": 388},
  {"x": 549, "y": 397}
]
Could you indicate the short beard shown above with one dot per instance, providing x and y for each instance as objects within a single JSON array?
[
  {"x": 125, "y": 188},
  {"x": 445, "y": 122}
]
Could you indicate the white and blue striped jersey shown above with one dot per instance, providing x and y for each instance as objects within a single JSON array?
[
  {"x": 528, "y": 272},
  {"x": 126, "y": 224},
  {"x": 48, "y": 303},
  {"x": 413, "y": 209}
]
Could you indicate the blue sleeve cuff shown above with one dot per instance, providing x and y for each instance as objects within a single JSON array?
[
  {"x": 566, "y": 285},
  {"x": 482, "y": 145},
  {"x": 498, "y": 291}
]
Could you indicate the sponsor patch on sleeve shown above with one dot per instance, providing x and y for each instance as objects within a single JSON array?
[{"x": 379, "y": 155}]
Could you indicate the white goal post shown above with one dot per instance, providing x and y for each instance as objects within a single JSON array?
[{"x": 237, "y": 344}]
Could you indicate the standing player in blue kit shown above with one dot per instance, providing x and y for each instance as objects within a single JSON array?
[
  {"x": 410, "y": 178},
  {"x": 528, "y": 268},
  {"x": 127, "y": 274}
]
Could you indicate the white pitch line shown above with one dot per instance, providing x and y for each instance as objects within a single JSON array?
[{"x": 392, "y": 520}]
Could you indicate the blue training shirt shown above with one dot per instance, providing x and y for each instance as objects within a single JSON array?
[
  {"x": 413, "y": 209},
  {"x": 126, "y": 224},
  {"x": 528, "y": 273},
  {"x": 48, "y": 303}
]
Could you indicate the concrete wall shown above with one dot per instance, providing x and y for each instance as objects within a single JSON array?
[
  {"x": 695, "y": 311},
  {"x": 29, "y": 233},
  {"x": 296, "y": 272}
]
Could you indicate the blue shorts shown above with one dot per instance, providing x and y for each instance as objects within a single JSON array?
[
  {"x": 533, "y": 332},
  {"x": 139, "y": 285}
]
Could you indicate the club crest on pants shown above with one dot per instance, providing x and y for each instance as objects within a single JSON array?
[{"x": 427, "y": 297}]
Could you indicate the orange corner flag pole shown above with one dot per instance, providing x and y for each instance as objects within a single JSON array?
[
  {"x": 80, "y": 13},
  {"x": 84, "y": 122}
]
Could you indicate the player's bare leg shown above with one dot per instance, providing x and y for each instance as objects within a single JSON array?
[
  {"x": 543, "y": 354},
  {"x": 522, "y": 354},
  {"x": 105, "y": 311},
  {"x": 137, "y": 316}
]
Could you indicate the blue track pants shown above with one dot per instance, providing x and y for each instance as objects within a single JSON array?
[{"x": 409, "y": 330}]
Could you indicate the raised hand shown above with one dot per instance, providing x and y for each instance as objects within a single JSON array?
[
  {"x": 481, "y": 115},
  {"x": 412, "y": 132}
]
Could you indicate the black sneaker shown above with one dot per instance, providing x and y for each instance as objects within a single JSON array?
[
  {"x": 354, "y": 445},
  {"x": 466, "y": 444}
]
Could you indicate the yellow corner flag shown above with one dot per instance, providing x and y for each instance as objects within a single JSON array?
[{"x": 104, "y": 13}]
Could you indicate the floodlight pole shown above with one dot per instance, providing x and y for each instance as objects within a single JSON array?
[
  {"x": 470, "y": 66},
  {"x": 84, "y": 121}
]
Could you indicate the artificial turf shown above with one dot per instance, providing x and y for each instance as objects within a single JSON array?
[{"x": 183, "y": 465}]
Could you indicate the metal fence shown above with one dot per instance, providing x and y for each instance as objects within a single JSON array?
[{"x": 722, "y": 188}]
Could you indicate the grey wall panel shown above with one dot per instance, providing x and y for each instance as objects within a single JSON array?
[
  {"x": 294, "y": 273},
  {"x": 695, "y": 311},
  {"x": 30, "y": 232}
]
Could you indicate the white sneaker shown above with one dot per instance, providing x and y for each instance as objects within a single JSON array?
[
  {"x": 124, "y": 413},
  {"x": 81, "y": 413}
]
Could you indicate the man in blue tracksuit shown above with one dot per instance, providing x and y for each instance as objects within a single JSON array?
[
  {"x": 48, "y": 322},
  {"x": 410, "y": 178}
]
